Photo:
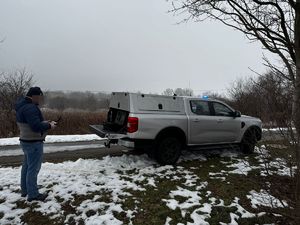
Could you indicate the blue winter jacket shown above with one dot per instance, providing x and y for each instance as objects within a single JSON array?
[{"x": 30, "y": 121}]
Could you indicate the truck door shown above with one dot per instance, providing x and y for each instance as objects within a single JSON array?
[
  {"x": 201, "y": 122},
  {"x": 227, "y": 127}
]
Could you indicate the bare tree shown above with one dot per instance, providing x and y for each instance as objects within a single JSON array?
[
  {"x": 270, "y": 94},
  {"x": 168, "y": 92},
  {"x": 179, "y": 92},
  {"x": 275, "y": 24},
  {"x": 12, "y": 86}
]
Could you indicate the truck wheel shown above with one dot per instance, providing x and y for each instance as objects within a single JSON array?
[
  {"x": 248, "y": 142},
  {"x": 138, "y": 149},
  {"x": 150, "y": 151},
  {"x": 168, "y": 150}
]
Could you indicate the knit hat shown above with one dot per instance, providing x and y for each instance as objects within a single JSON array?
[{"x": 34, "y": 91}]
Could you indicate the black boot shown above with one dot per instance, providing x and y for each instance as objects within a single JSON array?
[{"x": 40, "y": 197}]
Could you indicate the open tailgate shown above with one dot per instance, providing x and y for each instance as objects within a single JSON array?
[{"x": 101, "y": 132}]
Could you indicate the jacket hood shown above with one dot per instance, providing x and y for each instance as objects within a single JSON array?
[{"x": 21, "y": 102}]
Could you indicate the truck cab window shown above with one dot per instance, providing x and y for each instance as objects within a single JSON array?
[
  {"x": 200, "y": 107},
  {"x": 222, "y": 110}
]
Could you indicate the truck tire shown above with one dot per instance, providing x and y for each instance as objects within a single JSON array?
[
  {"x": 248, "y": 142},
  {"x": 168, "y": 150}
]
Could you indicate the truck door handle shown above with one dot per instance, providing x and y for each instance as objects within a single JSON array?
[
  {"x": 220, "y": 121},
  {"x": 196, "y": 120}
]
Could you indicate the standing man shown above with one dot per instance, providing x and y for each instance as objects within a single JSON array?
[{"x": 33, "y": 130}]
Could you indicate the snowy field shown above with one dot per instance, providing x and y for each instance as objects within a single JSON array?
[
  {"x": 54, "y": 139},
  {"x": 11, "y": 146},
  {"x": 50, "y": 149},
  {"x": 202, "y": 189}
]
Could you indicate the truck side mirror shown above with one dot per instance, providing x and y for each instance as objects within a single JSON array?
[{"x": 237, "y": 114}]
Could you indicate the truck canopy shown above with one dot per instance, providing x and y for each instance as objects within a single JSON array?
[{"x": 146, "y": 103}]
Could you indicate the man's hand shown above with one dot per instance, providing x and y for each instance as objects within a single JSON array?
[{"x": 53, "y": 124}]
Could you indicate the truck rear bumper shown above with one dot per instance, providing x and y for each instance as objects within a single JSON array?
[
  {"x": 126, "y": 143},
  {"x": 111, "y": 137},
  {"x": 119, "y": 138}
]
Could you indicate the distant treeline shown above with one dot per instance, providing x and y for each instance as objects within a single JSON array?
[{"x": 87, "y": 101}]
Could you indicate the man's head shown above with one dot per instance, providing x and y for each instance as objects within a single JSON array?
[{"x": 35, "y": 94}]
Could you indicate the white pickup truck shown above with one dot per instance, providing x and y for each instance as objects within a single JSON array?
[{"x": 164, "y": 125}]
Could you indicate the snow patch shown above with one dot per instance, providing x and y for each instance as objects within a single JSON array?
[
  {"x": 242, "y": 167},
  {"x": 55, "y": 139},
  {"x": 263, "y": 198},
  {"x": 110, "y": 177}
]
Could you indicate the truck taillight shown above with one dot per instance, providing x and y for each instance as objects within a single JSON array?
[{"x": 132, "y": 124}]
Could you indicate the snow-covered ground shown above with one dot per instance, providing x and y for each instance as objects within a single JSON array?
[
  {"x": 10, "y": 146},
  {"x": 54, "y": 139},
  {"x": 50, "y": 149},
  {"x": 113, "y": 179},
  {"x": 278, "y": 129}
]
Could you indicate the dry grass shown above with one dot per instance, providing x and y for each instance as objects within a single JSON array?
[
  {"x": 8, "y": 126},
  {"x": 76, "y": 122}
]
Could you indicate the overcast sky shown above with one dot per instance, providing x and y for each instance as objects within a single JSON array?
[{"x": 132, "y": 45}]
